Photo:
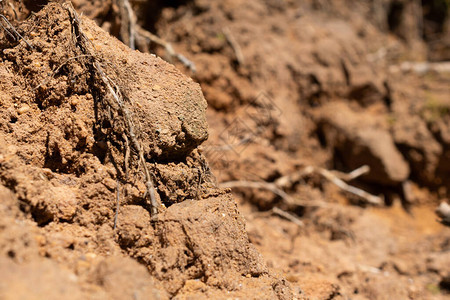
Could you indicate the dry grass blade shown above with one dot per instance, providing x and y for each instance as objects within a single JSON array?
[{"x": 353, "y": 174}]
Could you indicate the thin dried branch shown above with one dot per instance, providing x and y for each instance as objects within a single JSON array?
[
  {"x": 372, "y": 199},
  {"x": 288, "y": 216},
  {"x": 13, "y": 9},
  {"x": 128, "y": 23},
  {"x": 284, "y": 181},
  {"x": 270, "y": 187},
  {"x": 86, "y": 46},
  {"x": 329, "y": 175},
  {"x": 234, "y": 45},
  {"x": 117, "y": 204},
  {"x": 353, "y": 174},
  {"x": 170, "y": 51},
  {"x": 257, "y": 185},
  {"x": 421, "y": 67},
  {"x": 336, "y": 178},
  {"x": 12, "y": 32},
  {"x": 126, "y": 162}
]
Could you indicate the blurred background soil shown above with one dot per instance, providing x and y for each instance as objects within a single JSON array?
[{"x": 291, "y": 86}]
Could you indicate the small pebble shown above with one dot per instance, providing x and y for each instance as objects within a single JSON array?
[
  {"x": 23, "y": 109},
  {"x": 74, "y": 101}
]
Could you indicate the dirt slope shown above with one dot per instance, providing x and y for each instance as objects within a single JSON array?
[{"x": 288, "y": 85}]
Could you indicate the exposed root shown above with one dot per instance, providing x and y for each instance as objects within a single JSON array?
[
  {"x": 421, "y": 67},
  {"x": 128, "y": 23},
  {"x": 118, "y": 105},
  {"x": 372, "y": 199},
  {"x": 170, "y": 51},
  {"x": 13, "y": 9},
  {"x": 334, "y": 178},
  {"x": 288, "y": 216},
  {"x": 353, "y": 174},
  {"x": 116, "y": 215},
  {"x": 126, "y": 162},
  {"x": 234, "y": 45},
  {"x": 274, "y": 189},
  {"x": 11, "y": 31}
]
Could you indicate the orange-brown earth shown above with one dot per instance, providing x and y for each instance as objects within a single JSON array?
[{"x": 288, "y": 85}]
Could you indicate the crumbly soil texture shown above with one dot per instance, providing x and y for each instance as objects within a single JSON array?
[{"x": 92, "y": 131}]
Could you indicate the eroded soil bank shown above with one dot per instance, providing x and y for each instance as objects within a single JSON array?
[{"x": 289, "y": 86}]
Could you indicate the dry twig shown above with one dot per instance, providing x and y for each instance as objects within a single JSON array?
[
  {"x": 279, "y": 212},
  {"x": 288, "y": 216},
  {"x": 234, "y": 45},
  {"x": 12, "y": 32},
  {"x": 421, "y": 67},
  {"x": 13, "y": 9},
  {"x": 372, "y": 199},
  {"x": 117, "y": 203},
  {"x": 257, "y": 185},
  {"x": 128, "y": 23},
  {"x": 334, "y": 178},
  {"x": 270, "y": 187},
  {"x": 83, "y": 42},
  {"x": 337, "y": 178},
  {"x": 159, "y": 41}
]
